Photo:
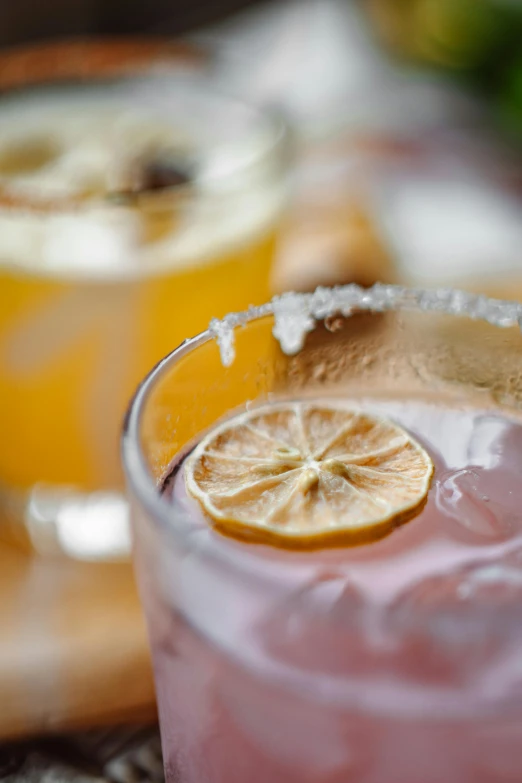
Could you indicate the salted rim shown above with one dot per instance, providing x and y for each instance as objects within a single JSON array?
[
  {"x": 323, "y": 303},
  {"x": 302, "y": 311}
]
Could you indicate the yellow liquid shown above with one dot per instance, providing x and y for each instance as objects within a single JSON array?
[{"x": 73, "y": 352}]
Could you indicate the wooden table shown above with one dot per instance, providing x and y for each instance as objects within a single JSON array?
[{"x": 73, "y": 649}]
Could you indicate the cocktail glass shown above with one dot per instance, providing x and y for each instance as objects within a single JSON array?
[
  {"x": 396, "y": 661},
  {"x": 136, "y": 202}
]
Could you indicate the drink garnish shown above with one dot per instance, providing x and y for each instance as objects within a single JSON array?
[{"x": 309, "y": 474}]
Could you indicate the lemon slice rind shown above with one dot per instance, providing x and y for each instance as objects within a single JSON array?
[{"x": 284, "y": 474}]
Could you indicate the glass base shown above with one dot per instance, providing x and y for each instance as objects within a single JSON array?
[{"x": 63, "y": 522}]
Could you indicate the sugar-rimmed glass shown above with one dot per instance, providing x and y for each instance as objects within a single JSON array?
[{"x": 286, "y": 666}]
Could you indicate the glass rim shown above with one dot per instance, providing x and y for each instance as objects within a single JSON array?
[
  {"x": 379, "y": 298},
  {"x": 97, "y": 61}
]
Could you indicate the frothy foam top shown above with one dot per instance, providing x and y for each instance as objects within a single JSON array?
[
  {"x": 80, "y": 140},
  {"x": 295, "y": 315}
]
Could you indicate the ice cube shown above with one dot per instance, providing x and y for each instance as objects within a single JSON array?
[
  {"x": 317, "y": 627},
  {"x": 493, "y": 439},
  {"x": 484, "y": 504},
  {"x": 460, "y": 625}
]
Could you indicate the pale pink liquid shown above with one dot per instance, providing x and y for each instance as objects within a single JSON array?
[{"x": 398, "y": 661}]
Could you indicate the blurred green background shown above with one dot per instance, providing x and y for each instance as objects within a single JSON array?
[{"x": 479, "y": 42}]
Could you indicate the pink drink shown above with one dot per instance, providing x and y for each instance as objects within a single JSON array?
[{"x": 382, "y": 663}]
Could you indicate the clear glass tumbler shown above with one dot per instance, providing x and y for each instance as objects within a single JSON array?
[{"x": 391, "y": 661}]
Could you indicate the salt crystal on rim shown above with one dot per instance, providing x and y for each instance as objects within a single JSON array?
[{"x": 296, "y": 315}]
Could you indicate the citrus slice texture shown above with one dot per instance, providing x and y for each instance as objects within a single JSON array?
[{"x": 305, "y": 475}]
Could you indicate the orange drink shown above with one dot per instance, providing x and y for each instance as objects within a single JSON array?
[{"x": 132, "y": 209}]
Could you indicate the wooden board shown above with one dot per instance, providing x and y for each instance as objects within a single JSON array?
[{"x": 73, "y": 647}]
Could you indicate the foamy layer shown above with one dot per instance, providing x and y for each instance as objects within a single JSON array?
[
  {"x": 112, "y": 241},
  {"x": 81, "y": 137},
  {"x": 84, "y": 138}
]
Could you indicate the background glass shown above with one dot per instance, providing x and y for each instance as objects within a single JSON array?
[{"x": 107, "y": 260}]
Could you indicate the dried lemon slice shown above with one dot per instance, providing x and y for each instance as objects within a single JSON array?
[{"x": 302, "y": 474}]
